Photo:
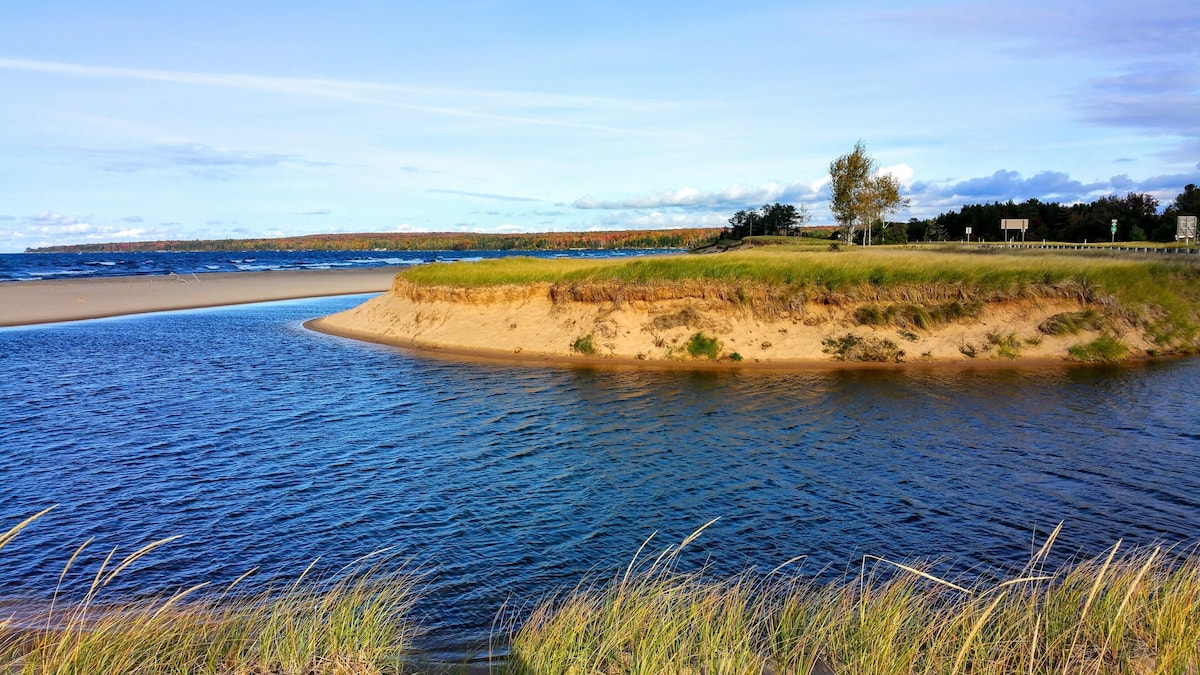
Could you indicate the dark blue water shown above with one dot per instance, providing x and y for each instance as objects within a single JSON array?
[
  {"x": 33, "y": 266},
  {"x": 264, "y": 444}
]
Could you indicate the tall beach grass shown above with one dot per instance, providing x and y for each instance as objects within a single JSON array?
[
  {"x": 354, "y": 621},
  {"x": 1130, "y": 610}
]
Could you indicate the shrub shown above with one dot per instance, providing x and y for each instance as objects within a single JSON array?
[
  {"x": 1009, "y": 346},
  {"x": 585, "y": 344},
  {"x": 851, "y": 347},
  {"x": 1104, "y": 349},
  {"x": 702, "y": 345},
  {"x": 735, "y": 357}
]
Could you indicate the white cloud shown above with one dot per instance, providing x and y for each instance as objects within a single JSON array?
[
  {"x": 903, "y": 173},
  {"x": 732, "y": 197}
]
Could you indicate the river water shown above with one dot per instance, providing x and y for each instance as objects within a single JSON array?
[{"x": 265, "y": 444}]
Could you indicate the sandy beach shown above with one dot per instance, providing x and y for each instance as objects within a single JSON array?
[{"x": 32, "y": 302}]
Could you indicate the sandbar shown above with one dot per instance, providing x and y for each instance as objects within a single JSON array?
[{"x": 51, "y": 300}]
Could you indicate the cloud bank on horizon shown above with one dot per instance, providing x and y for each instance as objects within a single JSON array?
[{"x": 136, "y": 120}]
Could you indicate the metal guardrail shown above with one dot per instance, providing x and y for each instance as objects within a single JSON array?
[{"x": 1094, "y": 247}]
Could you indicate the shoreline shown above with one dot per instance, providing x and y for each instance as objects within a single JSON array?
[
  {"x": 464, "y": 353},
  {"x": 26, "y": 303}
]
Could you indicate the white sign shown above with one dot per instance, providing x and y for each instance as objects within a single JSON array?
[
  {"x": 1021, "y": 224},
  {"x": 1185, "y": 227},
  {"x": 968, "y": 230}
]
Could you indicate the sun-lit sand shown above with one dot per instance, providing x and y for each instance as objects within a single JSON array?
[
  {"x": 32, "y": 302},
  {"x": 524, "y": 323}
]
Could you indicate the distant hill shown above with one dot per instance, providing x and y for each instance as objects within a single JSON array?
[{"x": 417, "y": 241}]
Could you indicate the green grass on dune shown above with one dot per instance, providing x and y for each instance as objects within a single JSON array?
[{"x": 1161, "y": 295}]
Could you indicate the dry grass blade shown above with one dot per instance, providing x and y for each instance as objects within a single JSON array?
[
  {"x": 16, "y": 529},
  {"x": 924, "y": 575},
  {"x": 966, "y": 646}
]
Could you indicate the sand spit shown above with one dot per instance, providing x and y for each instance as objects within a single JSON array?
[
  {"x": 545, "y": 322},
  {"x": 32, "y": 302}
]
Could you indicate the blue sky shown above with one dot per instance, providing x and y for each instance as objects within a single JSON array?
[{"x": 190, "y": 119}]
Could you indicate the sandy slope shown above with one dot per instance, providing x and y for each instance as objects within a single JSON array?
[{"x": 525, "y": 323}]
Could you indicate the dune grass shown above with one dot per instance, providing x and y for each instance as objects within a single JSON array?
[
  {"x": 351, "y": 622},
  {"x": 1160, "y": 296},
  {"x": 1128, "y": 611}
]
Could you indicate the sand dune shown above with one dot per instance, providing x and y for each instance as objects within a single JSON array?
[{"x": 525, "y": 323}]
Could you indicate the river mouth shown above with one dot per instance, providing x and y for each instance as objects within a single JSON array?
[{"x": 267, "y": 445}]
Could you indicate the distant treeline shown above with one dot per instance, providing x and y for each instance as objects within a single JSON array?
[
  {"x": 418, "y": 241},
  {"x": 1137, "y": 215}
]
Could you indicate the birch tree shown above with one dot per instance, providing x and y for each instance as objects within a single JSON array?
[{"x": 860, "y": 195}]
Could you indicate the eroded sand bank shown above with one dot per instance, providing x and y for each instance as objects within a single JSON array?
[{"x": 529, "y": 322}]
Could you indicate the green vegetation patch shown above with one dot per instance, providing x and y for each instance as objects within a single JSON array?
[
  {"x": 701, "y": 345},
  {"x": 1072, "y": 323},
  {"x": 914, "y": 316},
  {"x": 851, "y": 347},
  {"x": 1007, "y": 344},
  {"x": 585, "y": 344},
  {"x": 1104, "y": 349}
]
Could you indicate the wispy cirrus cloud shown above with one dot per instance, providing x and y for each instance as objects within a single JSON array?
[
  {"x": 195, "y": 159},
  {"x": 529, "y": 108},
  {"x": 485, "y": 195}
]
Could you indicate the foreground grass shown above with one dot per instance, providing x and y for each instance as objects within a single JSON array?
[
  {"x": 1129, "y": 611},
  {"x": 1161, "y": 296},
  {"x": 354, "y": 622}
]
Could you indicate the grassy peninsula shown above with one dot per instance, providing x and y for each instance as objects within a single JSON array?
[{"x": 781, "y": 303}]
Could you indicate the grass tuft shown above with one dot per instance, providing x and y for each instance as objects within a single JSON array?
[
  {"x": 1104, "y": 349},
  {"x": 701, "y": 345},
  {"x": 1072, "y": 323},
  {"x": 351, "y": 622},
  {"x": 851, "y": 347},
  {"x": 585, "y": 344}
]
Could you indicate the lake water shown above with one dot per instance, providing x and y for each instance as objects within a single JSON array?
[
  {"x": 265, "y": 444},
  {"x": 35, "y": 266}
]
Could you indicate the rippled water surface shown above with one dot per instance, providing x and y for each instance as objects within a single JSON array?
[{"x": 264, "y": 444}]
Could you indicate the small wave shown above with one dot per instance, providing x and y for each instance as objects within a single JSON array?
[{"x": 61, "y": 273}]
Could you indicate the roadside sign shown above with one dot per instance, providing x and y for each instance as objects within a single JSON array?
[
  {"x": 1185, "y": 227},
  {"x": 1007, "y": 224}
]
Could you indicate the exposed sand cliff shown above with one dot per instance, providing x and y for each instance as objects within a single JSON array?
[{"x": 655, "y": 324}]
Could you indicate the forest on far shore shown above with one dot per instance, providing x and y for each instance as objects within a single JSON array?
[
  {"x": 418, "y": 241},
  {"x": 1138, "y": 219}
]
